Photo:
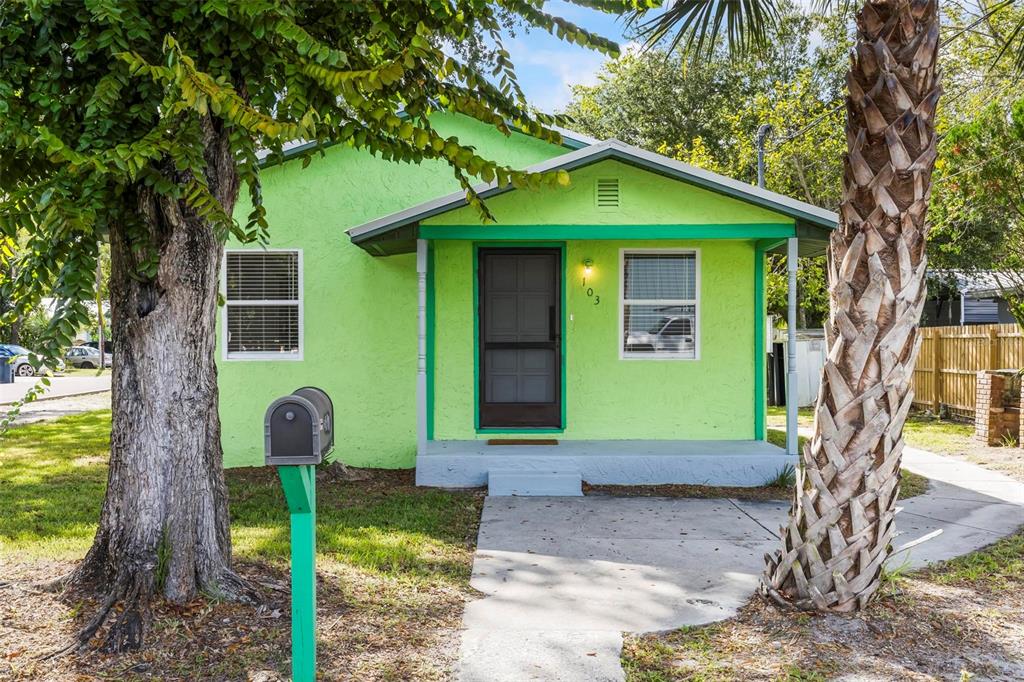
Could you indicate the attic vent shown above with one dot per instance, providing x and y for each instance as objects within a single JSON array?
[{"x": 607, "y": 193}]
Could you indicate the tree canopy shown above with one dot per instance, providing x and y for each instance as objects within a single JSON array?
[
  {"x": 107, "y": 100},
  {"x": 707, "y": 112},
  {"x": 138, "y": 123}
]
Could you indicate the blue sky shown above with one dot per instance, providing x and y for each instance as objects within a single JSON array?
[{"x": 548, "y": 66}]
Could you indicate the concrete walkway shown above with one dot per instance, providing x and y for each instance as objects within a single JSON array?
[
  {"x": 564, "y": 577},
  {"x": 65, "y": 396}
]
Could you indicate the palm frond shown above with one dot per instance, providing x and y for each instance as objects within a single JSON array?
[{"x": 697, "y": 25}]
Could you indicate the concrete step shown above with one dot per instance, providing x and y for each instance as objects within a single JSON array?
[{"x": 507, "y": 482}]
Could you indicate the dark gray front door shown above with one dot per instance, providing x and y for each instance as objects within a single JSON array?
[{"x": 520, "y": 338}]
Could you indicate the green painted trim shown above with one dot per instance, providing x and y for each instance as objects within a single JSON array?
[
  {"x": 299, "y": 484},
  {"x": 476, "y": 337},
  {"x": 430, "y": 341},
  {"x": 761, "y": 248},
  {"x": 564, "y": 344},
  {"x": 476, "y": 333},
  {"x": 760, "y": 324},
  {"x": 534, "y": 233}
]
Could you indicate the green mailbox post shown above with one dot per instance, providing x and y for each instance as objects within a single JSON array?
[{"x": 298, "y": 432}]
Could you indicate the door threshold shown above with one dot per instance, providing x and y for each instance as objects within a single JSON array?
[{"x": 522, "y": 441}]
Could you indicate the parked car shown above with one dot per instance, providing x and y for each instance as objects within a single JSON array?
[
  {"x": 22, "y": 366},
  {"x": 108, "y": 345},
  {"x": 671, "y": 334},
  {"x": 87, "y": 357}
]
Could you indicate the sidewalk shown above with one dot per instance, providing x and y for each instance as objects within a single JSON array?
[
  {"x": 60, "y": 387},
  {"x": 562, "y": 578}
]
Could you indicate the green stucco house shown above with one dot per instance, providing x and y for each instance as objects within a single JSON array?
[{"x": 619, "y": 320}]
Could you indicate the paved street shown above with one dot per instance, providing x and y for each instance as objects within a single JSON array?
[
  {"x": 66, "y": 395},
  {"x": 60, "y": 386}
]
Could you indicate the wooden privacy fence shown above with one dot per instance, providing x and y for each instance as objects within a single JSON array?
[{"x": 951, "y": 357}]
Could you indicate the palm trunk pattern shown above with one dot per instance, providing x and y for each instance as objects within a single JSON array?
[{"x": 841, "y": 523}]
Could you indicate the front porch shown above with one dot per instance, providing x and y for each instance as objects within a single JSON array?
[
  {"x": 472, "y": 463},
  {"x": 618, "y": 316}
]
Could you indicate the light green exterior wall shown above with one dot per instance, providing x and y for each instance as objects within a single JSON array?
[
  {"x": 359, "y": 311},
  {"x": 607, "y": 397},
  {"x": 646, "y": 199}
]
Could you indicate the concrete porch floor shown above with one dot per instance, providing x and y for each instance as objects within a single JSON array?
[{"x": 466, "y": 463}]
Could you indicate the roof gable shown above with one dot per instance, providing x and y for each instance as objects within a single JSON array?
[
  {"x": 803, "y": 214},
  {"x": 631, "y": 196}
]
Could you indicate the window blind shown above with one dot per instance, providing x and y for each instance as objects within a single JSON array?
[
  {"x": 659, "y": 305},
  {"x": 263, "y": 303}
]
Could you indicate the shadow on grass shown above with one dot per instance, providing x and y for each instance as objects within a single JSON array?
[
  {"x": 53, "y": 475},
  {"x": 384, "y": 524}
]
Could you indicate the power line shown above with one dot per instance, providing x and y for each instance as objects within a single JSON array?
[
  {"x": 818, "y": 119},
  {"x": 961, "y": 32},
  {"x": 1008, "y": 150}
]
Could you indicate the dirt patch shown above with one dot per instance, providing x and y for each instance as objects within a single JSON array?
[
  {"x": 367, "y": 630},
  {"x": 911, "y": 485},
  {"x": 1007, "y": 460},
  {"x": 393, "y": 572},
  {"x": 945, "y": 623},
  {"x": 698, "y": 491}
]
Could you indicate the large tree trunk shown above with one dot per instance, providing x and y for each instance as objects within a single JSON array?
[
  {"x": 841, "y": 521},
  {"x": 164, "y": 524}
]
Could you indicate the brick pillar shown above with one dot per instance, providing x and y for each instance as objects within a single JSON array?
[
  {"x": 1020, "y": 425},
  {"x": 982, "y": 403},
  {"x": 989, "y": 414}
]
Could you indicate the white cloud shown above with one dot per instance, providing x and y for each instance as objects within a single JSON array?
[{"x": 547, "y": 74}]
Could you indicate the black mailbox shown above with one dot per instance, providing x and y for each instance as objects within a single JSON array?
[{"x": 299, "y": 428}]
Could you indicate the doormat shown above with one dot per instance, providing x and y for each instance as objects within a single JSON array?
[{"x": 522, "y": 441}]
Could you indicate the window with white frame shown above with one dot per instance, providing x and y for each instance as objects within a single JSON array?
[
  {"x": 659, "y": 304},
  {"x": 263, "y": 305}
]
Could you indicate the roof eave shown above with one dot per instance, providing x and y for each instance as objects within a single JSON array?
[{"x": 801, "y": 212}]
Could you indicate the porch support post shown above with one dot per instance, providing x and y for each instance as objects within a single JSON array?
[
  {"x": 421, "y": 347},
  {"x": 792, "y": 398}
]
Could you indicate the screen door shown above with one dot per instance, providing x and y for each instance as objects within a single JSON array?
[{"x": 520, "y": 338}]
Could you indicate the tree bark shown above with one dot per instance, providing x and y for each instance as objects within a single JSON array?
[
  {"x": 164, "y": 527},
  {"x": 841, "y": 521}
]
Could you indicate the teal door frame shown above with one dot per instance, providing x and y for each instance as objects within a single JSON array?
[
  {"x": 476, "y": 332},
  {"x": 761, "y": 249}
]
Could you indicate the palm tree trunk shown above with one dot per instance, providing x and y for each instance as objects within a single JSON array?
[{"x": 841, "y": 522}]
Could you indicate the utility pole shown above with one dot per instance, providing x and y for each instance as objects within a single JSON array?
[
  {"x": 792, "y": 255},
  {"x": 762, "y": 136}
]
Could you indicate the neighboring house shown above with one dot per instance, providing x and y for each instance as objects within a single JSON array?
[
  {"x": 622, "y": 315},
  {"x": 966, "y": 298}
]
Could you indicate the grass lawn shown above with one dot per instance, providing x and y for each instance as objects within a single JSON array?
[
  {"x": 70, "y": 371},
  {"x": 911, "y": 484},
  {"x": 393, "y": 570},
  {"x": 957, "y": 621},
  {"x": 393, "y": 566},
  {"x": 954, "y": 439}
]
